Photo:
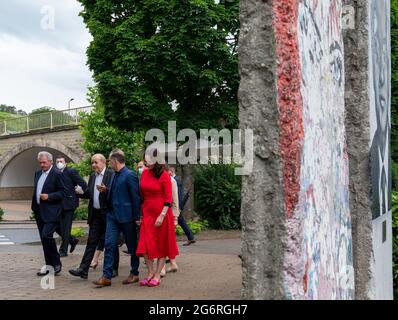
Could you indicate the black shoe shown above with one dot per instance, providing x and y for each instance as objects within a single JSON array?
[
  {"x": 42, "y": 274},
  {"x": 115, "y": 273},
  {"x": 73, "y": 244},
  {"x": 57, "y": 269},
  {"x": 78, "y": 272},
  {"x": 63, "y": 254}
]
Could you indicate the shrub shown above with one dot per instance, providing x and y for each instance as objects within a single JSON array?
[
  {"x": 81, "y": 213},
  {"x": 218, "y": 195},
  {"x": 195, "y": 226},
  {"x": 78, "y": 232},
  {"x": 394, "y": 169},
  {"x": 1, "y": 214}
]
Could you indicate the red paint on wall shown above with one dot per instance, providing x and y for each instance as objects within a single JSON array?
[{"x": 289, "y": 98}]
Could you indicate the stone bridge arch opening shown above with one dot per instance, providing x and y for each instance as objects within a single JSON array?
[{"x": 17, "y": 167}]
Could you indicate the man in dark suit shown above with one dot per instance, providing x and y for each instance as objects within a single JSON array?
[
  {"x": 123, "y": 216},
  {"x": 181, "y": 221},
  {"x": 69, "y": 205},
  {"x": 49, "y": 191},
  {"x": 97, "y": 210}
]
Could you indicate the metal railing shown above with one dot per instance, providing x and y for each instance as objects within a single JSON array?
[{"x": 48, "y": 120}]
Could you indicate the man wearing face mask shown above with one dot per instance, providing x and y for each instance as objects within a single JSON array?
[{"x": 69, "y": 205}]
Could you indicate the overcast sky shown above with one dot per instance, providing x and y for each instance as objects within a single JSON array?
[{"x": 43, "y": 54}]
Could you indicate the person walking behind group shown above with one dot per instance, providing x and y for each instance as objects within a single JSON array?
[
  {"x": 176, "y": 213},
  {"x": 181, "y": 221},
  {"x": 157, "y": 231},
  {"x": 123, "y": 216},
  {"x": 69, "y": 205},
  {"x": 97, "y": 210},
  {"x": 49, "y": 192}
]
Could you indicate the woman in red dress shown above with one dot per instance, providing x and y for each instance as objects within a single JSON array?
[{"x": 157, "y": 232}]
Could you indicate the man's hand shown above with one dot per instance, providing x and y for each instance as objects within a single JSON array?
[
  {"x": 44, "y": 196},
  {"x": 79, "y": 190},
  {"x": 101, "y": 188}
]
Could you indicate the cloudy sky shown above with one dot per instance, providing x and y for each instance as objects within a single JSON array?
[{"x": 42, "y": 54}]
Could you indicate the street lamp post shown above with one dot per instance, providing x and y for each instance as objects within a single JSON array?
[
  {"x": 70, "y": 102},
  {"x": 69, "y": 116}
]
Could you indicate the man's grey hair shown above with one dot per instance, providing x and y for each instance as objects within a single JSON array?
[
  {"x": 46, "y": 154},
  {"x": 99, "y": 156}
]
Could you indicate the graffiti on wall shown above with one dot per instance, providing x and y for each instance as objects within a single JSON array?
[
  {"x": 380, "y": 108},
  {"x": 318, "y": 261}
]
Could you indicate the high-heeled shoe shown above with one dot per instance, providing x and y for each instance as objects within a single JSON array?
[
  {"x": 94, "y": 265},
  {"x": 154, "y": 283},
  {"x": 144, "y": 282}
]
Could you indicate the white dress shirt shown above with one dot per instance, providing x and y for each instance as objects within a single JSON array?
[
  {"x": 98, "y": 181},
  {"x": 40, "y": 183}
]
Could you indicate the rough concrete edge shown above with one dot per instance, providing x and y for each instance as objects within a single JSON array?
[
  {"x": 262, "y": 212},
  {"x": 357, "y": 130}
]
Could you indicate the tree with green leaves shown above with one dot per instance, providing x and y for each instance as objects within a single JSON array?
[
  {"x": 101, "y": 137},
  {"x": 11, "y": 110},
  {"x": 41, "y": 110},
  {"x": 160, "y": 60}
]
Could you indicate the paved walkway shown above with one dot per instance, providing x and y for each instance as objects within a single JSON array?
[
  {"x": 16, "y": 210},
  {"x": 209, "y": 269}
]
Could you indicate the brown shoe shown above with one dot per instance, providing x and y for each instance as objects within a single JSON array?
[
  {"x": 131, "y": 279},
  {"x": 189, "y": 242},
  {"x": 103, "y": 282}
]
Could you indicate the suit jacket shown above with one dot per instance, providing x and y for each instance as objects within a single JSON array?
[
  {"x": 54, "y": 186},
  {"x": 180, "y": 192},
  {"x": 123, "y": 196},
  {"x": 89, "y": 194},
  {"x": 72, "y": 178}
]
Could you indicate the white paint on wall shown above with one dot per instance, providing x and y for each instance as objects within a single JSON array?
[{"x": 322, "y": 267}]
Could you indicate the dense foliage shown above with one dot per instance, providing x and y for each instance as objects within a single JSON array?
[
  {"x": 101, "y": 137},
  {"x": 160, "y": 60},
  {"x": 218, "y": 195}
]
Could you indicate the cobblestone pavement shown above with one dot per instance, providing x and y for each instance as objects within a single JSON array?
[{"x": 209, "y": 269}]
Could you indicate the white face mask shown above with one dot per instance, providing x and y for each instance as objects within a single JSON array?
[{"x": 60, "y": 165}]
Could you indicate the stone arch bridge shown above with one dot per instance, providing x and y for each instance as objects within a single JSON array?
[{"x": 19, "y": 148}]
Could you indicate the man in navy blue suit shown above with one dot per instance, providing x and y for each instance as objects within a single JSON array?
[
  {"x": 49, "y": 192},
  {"x": 123, "y": 216},
  {"x": 69, "y": 205}
]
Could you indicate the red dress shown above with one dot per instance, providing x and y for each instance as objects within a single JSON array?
[{"x": 156, "y": 242}]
